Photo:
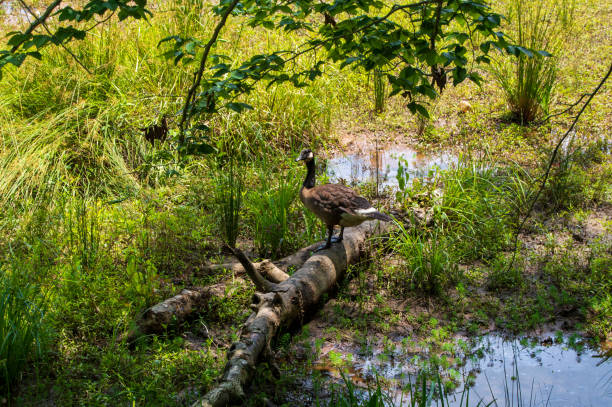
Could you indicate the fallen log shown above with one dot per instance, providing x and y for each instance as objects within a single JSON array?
[
  {"x": 174, "y": 310},
  {"x": 279, "y": 306},
  {"x": 178, "y": 308}
]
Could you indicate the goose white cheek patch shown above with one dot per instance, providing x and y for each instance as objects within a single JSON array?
[{"x": 365, "y": 211}]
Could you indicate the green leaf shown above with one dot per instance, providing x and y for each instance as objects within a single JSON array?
[
  {"x": 196, "y": 149},
  {"x": 417, "y": 108},
  {"x": 459, "y": 75},
  {"x": 525, "y": 51},
  {"x": 239, "y": 107}
]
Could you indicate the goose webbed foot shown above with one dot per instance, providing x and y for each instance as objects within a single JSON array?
[
  {"x": 339, "y": 237},
  {"x": 327, "y": 245},
  {"x": 322, "y": 247}
]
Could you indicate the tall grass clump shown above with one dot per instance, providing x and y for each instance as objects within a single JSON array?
[
  {"x": 379, "y": 91},
  {"x": 528, "y": 80},
  {"x": 479, "y": 205},
  {"x": 271, "y": 207},
  {"x": 429, "y": 263},
  {"x": 471, "y": 218},
  {"x": 22, "y": 329},
  {"x": 228, "y": 184}
]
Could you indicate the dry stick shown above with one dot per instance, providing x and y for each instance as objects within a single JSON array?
[
  {"x": 573, "y": 105},
  {"x": 260, "y": 282},
  {"x": 552, "y": 159},
  {"x": 198, "y": 74}
]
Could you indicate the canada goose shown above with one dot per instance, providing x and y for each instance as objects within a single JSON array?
[
  {"x": 334, "y": 204},
  {"x": 156, "y": 131}
]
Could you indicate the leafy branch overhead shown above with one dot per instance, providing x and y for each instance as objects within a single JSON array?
[
  {"x": 70, "y": 26},
  {"x": 419, "y": 46}
]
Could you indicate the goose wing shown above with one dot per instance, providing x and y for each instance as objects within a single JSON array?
[{"x": 339, "y": 199}]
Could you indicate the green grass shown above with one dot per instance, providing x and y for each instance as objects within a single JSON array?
[
  {"x": 528, "y": 81},
  {"x": 101, "y": 224},
  {"x": 471, "y": 218},
  {"x": 228, "y": 200},
  {"x": 23, "y": 329},
  {"x": 271, "y": 203}
]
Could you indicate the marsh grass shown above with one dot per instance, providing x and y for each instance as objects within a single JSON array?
[
  {"x": 229, "y": 191},
  {"x": 528, "y": 80},
  {"x": 429, "y": 265},
  {"x": 472, "y": 218},
  {"x": 477, "y": 207},
  {"x": 379, "y": 90},
  {"x": 23, "y": 334},
  {"x": 426, "y": 390},
  {"x": 271, "y": 204},
  {"x": 581, "y": 175}
]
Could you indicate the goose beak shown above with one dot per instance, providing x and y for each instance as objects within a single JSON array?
[{"x": 298, "y": 159}]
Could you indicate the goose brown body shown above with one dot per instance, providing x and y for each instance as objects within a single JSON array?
[{"x": 334, "y": 204}]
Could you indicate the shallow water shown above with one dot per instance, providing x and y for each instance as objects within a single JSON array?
[
  {"x": 367, "y": 165},
  {"x": 547, "y": 374},
  {"x": 551, "y": 374}
]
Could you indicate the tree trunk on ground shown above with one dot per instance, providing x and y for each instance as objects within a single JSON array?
[
  {"x": 283, "y": 305},
  {"x": 178, "y": 308}
]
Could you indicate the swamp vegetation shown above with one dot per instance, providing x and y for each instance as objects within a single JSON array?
[{"x": 125, "y": 179}]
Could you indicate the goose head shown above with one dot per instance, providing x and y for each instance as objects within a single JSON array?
[{"x": 306, "y": 155}]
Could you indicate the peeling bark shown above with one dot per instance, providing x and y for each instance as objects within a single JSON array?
[
  {"x": 178, "y": 308},
  {"x": 283, "y": 305},
  {"x": 175, "y": 309}
]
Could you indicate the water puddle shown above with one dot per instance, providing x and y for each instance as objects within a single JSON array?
[
  {"x": 551, "y": 373},
  {"x": 366, "y": 166},
  {"x": 546, "y": 372}
]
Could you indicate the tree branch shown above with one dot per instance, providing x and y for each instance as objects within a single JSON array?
[
  {"x": 29, "y": 10},
  {"x": 198, "y": 74},
  {"x": 551, "y": 161},
  {"x": 261, "y": 283},
  {"x": 40, "y": 20}
]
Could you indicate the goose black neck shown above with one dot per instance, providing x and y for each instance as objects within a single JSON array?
[{"x": 309, "y": 182}]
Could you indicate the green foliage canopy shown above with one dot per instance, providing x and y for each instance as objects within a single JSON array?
[{"x": 420, "y": 46}]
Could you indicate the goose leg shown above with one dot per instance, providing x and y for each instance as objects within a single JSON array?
[
  {"x": 340, "y": 237},
  {"x": 330, "y": 232}
]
